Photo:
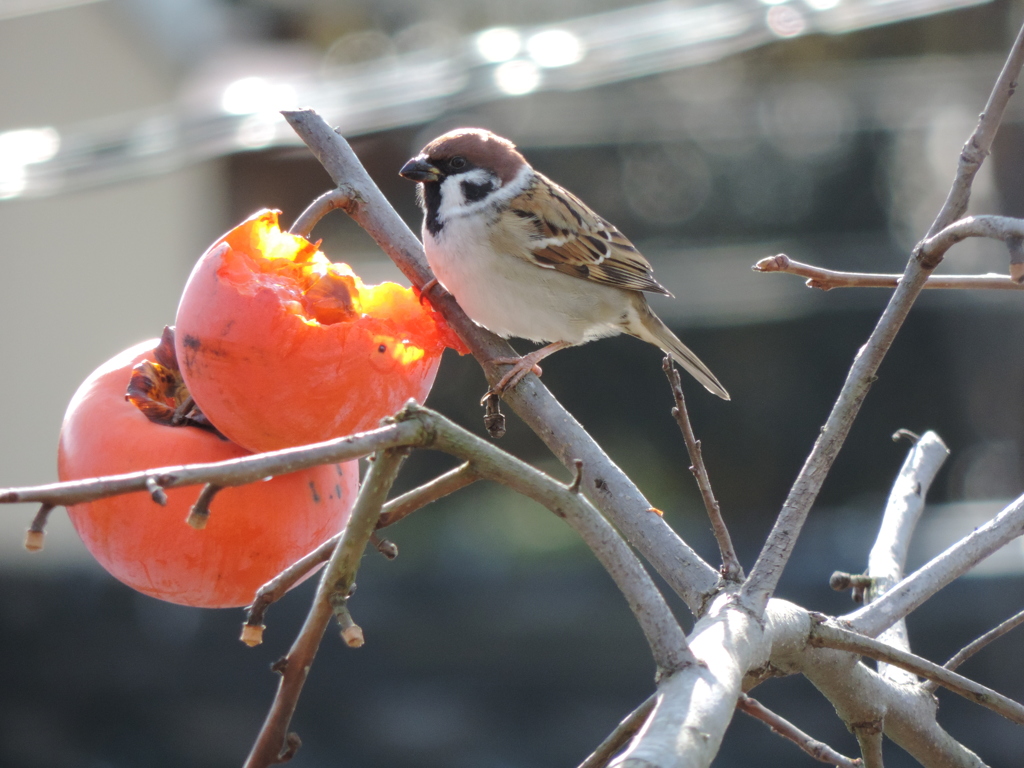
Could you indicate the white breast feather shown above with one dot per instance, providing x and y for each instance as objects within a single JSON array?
[{"x": 511, "y": 296}]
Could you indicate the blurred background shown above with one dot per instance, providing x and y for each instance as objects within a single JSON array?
[{"x": 134, "y": 132}]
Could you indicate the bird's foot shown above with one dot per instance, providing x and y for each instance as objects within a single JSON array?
[
  {"x": 521, "y": 366},
  {"x": 428, "y": 286}
]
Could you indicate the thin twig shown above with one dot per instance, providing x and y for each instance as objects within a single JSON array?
[
  {"x": 972, "y": 648},
  {"x": 386, "y": 547},
  {"x": 200, "y": 512},
  {"x": 604, "y": 483},
  {"x": 36, "y": 532},
  {"x": 767, "y": 570},
  {"x": 829, "y": 635},
  {"x": 441, "y": 486},
  {"x": 329, "y": 201},
  {"x": 618, "y": 738},
  {"x": 731, "y": 568},
  {"x": 351, "y": 632},
  {"x": 780, "y": 725},
  {"x": 979, "y": 145},
  {"x": 827, "y": 279},
  {"x": 888, "y": 556},
  {"x": 857, "y": 583},
  {"x": 1004, "y": 228},
  {"x": 155, "y": 488},
  {"x": 337, "y": 579},
  {"x": 869, "y": 738},
  {"x": 241, "y": 471},
  {"x": 395, "y": 510}
]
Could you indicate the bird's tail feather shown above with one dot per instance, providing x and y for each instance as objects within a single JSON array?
[{"x": 652, "y": 330}]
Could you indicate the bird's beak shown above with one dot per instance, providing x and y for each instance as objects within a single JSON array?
[{"x": 418, "y": 169}]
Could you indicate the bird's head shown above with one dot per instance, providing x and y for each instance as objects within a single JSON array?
[{"x": 464, "y": 170}]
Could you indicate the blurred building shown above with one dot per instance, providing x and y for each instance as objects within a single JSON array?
[{"x": 133, "y": 132}]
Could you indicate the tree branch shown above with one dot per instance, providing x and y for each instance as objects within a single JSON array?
[
  {"x": 617, "y": 739},
  {"x": 330, "y": 200},
  {"x": 695, "y": 705},
  {"x": 829, "y": 635},
  {"x": 906, "y": 596},
  {"x": 780, "y": 725},
  {"x": 337, "y": 579},
  {"x": 869, "y": 739},
  {"x": 902, "y": 511},
  {"x": 827, "y": 279},
  {"x": 861, "y": 695},
  {"x": 604, "y": 483},
  {"x": 775, "y": 554},
  {"x": 731, "y": 568},
  {"x": 441, "y": 486},
  {"x": 391, "y": 513},
  {"x": 979, "y": 145},
  {"x": 241, "y": 471},
  {"x": 972, "y": 648},
  {"x": 665, "y": 637}
]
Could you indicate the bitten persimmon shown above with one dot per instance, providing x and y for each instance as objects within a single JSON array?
[
  {"x": 281, "y": 347},
  {"x": 254, "y": 531}
]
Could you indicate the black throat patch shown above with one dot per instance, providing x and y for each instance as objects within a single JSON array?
[{"x": 431, "y": 205}]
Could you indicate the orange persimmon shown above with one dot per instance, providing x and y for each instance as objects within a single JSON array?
[
  {"x": 253, "y": 532},
  {"x": 280, "y": 347}
]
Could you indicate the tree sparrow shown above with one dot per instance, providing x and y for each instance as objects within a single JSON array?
[{"x": 526, "y": 258}]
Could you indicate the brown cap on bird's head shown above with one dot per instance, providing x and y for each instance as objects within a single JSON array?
[{"x": 477, "y": 148}]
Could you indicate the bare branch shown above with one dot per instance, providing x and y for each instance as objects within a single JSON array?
[
  {"x": 780, "y": 725},
  {"x": 830, "y": 635},
  {"x": 391, "y": 513},
  {"x": 247, "y": 469},
  {"x": 448, "y": 483},
  {"x": 200, "y": 512},
  {"x": 775, "y": 554},
  {"x": 665, "y": 637},
  {"x": 329, "y": 201},
  {"x": 979, "y": 144},
  {"x": 869, "y": 738},
  {"x": 618, "y": 738},
  {"x": 604, "y": 483},
  {"x": 36, "y": 532},
  {"x": 668, "y": 644},
  {"x": 827, "y": 279},
  {"x": 731, "y": 568},
  {"x": 906, "y": 596},
  {"x": 972, "y": 648},
  {"x": 902, "y": 511},
  {"x": 338, "y": 577},
  {"x": 860, "y": 695},
  {"x": 695, "y": 705},
  {"x": 1004, "y": 228}
]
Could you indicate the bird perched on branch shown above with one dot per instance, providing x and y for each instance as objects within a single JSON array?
[{"x": 526, "y": 258}]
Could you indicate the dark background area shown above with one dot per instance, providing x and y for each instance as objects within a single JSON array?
[{"x": 495, "y": 640}]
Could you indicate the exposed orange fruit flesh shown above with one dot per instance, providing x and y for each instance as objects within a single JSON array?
[{"x": 279, "y": 346}]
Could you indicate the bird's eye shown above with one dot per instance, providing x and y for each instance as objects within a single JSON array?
[{"x": 457, "y": 162}]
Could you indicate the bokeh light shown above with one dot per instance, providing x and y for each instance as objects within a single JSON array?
[
  {"x": 21, "y": 148},
  {"x": 786, "y": 21},
  {"x": 498, "y": 44},
  {"x": 250, "y": 95},
  {"x": 555, "y": 48},
  {"x": 517, "y": 77}
]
